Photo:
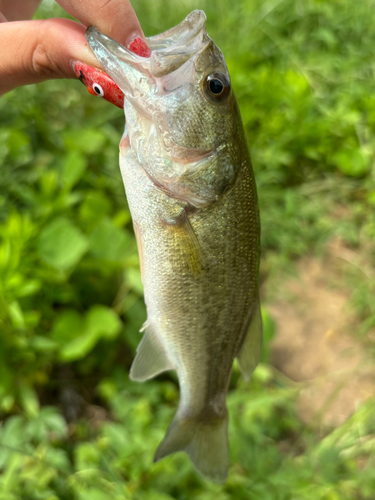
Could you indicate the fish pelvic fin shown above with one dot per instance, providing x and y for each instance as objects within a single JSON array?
[
  {"x": 205, "y": 441},
  {"x": 251, "y": 350},
  {"x": 151, "y": 358}
]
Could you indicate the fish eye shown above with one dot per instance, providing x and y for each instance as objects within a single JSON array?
[
  {"x": 217, "y": 86},
  {"x": 98, "y": 89}
]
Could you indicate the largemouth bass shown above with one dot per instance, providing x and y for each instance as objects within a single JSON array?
[{"x": 192, "y": 196}]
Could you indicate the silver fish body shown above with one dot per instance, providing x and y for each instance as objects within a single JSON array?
[{"x": 192, "y": 196}]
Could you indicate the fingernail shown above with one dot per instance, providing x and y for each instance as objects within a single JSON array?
[
  {"x": 137, "y": 45},
  {"x": 85, "y": 54}
]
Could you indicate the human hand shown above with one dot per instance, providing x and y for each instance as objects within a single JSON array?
[{"x": 34, "y": 51}]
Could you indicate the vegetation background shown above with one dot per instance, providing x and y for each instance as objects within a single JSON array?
[{"x": 72, "y": 425}]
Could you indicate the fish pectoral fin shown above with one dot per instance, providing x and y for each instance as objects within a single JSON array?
[
  {"x": 249, "y": 355},
  {"x": 151, "y": 358},
  {"x": 189, "y": 253},
  {"x": 206, "y": 443}
]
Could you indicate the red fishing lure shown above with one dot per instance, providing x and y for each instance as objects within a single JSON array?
[{"x": 100, "y": 84}]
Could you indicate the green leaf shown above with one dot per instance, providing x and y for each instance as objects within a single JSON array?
[
  {"x": 43, "y": 344},
  {"x": 133, "y": 278},
  {"x": 61, "y": 244},
  {"x": 16, "y": 315},
  {"x": 19, "y": 146},
  {"x": 269, "y": 331},
  {"x": 29, "y": 401},
  {"x": 7, "y": 402},
  {"x": 352, "y": 161},
  {"x": 103, "y": 321},
  {"x": 74, "y": 166},
  {"x": 67, "y": 327},
  {"x": 93, "y": 208},
  {"x": 48, "y": 183},
  {"x": 371, "y": 198},
  {"x": 54, "y": 421},
  {"x": 87, "y": 140},
  {"x": 29, "y": 287},
  {"x": 79, "y": 347},
  {"x": 108, "y": 241},
  {"x": 87, "y": 455},
  {"x": 100, "y": 322}
]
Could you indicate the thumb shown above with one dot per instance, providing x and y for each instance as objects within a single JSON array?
[{"x": 34, "y": 51}]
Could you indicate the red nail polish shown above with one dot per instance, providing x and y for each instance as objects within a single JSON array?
[{"x": 139, "y": 47}]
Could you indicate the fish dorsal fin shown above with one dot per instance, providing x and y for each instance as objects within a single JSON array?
[
  {"x": 151, "y": 358},
  {"x": 249, "y": 355}
]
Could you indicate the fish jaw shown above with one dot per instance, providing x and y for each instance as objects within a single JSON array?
[
  {"x": 100, "y": 84},
  {"x": 127, "y": 69},
  {"x": 167, "y": 106},
  {"x": 178, "y": 61}
]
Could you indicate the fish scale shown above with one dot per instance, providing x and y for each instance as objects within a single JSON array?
[{"x": 192, "y": 195}]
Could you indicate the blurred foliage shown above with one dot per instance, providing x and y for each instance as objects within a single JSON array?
[{"x": 73, "y": 425}]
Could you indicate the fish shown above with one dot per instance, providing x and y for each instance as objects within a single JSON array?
[{"x": 192, "y": 194}]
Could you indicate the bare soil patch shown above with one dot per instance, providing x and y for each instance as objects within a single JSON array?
[{"x": 316, "y": 343}]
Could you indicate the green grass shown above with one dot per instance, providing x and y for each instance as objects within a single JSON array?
[{"x": 72, "y": 425}]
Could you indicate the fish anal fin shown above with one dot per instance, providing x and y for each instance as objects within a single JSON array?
[
  {"x": 150, "y": 359},
  {"x": 249, "y": 355},
  {"x": 188, "y": 250},
  {"x": 205, "y": 441}
]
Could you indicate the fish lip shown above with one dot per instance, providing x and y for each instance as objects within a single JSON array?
[
  {"x": 128, "y": 70},
  {"x": 180, "y": 35},
  {"x": 96, "y": 37}
]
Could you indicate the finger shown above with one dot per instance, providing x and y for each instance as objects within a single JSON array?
[
  {"x": 17, "y": 10},
  {"x": 115, "y": 18},
  {"x": 33, "y": 51}
]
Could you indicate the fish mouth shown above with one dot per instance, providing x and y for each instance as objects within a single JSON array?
[
  {"x": 169, "y": 50},
  {"x": 126, "y": 68},
  {"x": 173, "y": 48}
]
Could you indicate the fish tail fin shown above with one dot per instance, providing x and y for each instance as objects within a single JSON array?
[{"x": 205, "y": 441}]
